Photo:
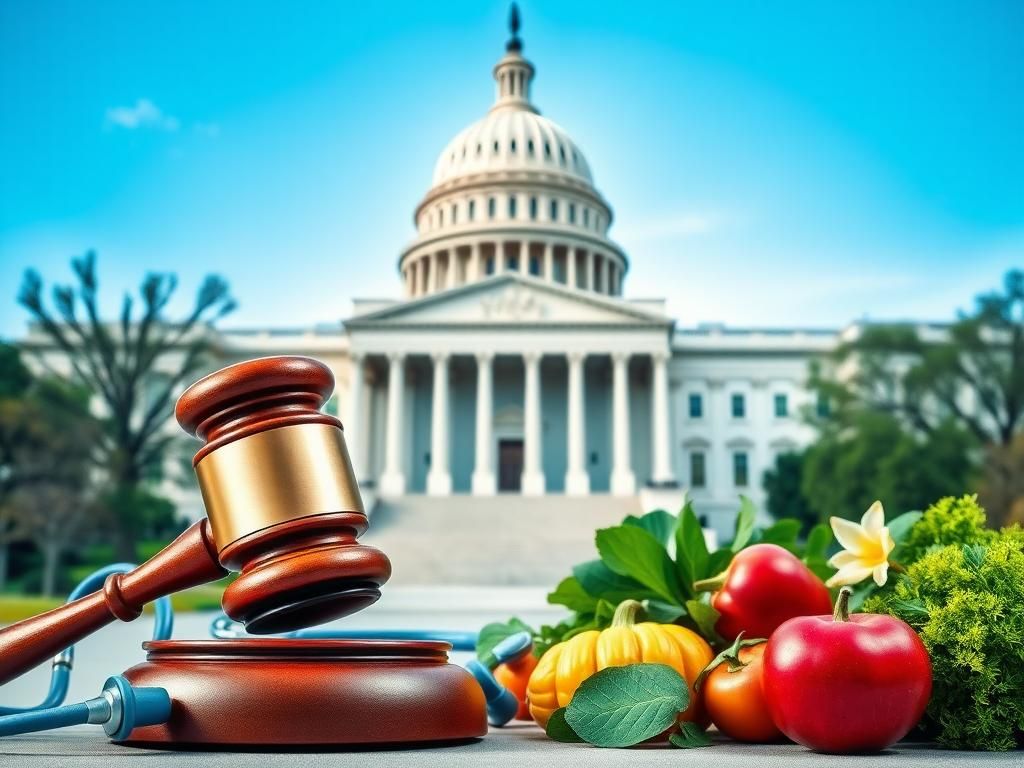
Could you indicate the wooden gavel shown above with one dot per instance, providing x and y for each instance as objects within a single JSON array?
[{"x": 283, "y": 510}]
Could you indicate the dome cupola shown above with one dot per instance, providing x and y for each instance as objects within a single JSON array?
[{"x": 513, "y": 192}]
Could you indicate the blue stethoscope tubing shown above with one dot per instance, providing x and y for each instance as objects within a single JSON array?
[
  {"x": 60, "y": 676},
  {"x": 224, "y": 628}
]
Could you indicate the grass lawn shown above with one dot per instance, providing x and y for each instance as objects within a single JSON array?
[{"x": 18, "y": 607}]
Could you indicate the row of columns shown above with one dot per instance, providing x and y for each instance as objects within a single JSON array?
[
  {"x": 533, "y": 483},
  {"x": 423, "y": 275}
]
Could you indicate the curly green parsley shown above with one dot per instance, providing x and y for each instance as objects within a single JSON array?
[{"x": 967, "y": 603}]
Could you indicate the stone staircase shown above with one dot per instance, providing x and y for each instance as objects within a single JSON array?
[{"x": 491, "y": 541}]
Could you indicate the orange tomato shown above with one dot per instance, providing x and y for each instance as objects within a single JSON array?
[
  {"x": 734, "y": 698},
  {"x": 514, "y": 675}
]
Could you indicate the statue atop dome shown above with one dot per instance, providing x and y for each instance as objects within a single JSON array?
[{"x": 514, "y": 44}]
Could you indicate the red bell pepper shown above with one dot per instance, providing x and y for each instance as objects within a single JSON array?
[{"x": 764, "y": 586}]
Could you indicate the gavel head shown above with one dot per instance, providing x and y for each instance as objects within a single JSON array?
[{"x": 280, "y": 493}]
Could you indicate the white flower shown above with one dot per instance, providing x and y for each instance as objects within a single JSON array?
[{"x": 866, "y": 548}]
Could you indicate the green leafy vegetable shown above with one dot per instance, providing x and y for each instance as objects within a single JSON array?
[
  {"x": 966, "y": 601},
  {"x": 623, "y": 706},
  {"x": 559, "y": 730},
  {"x": 632, "y": 551},
  {"x": 705, "y": 617},
  {"x": 659, "y": 523},
  {"x": 784, "y": 533},
  {"x": 691, "y": 549},
  {"x": 948, "y": 521},
  {"x": 598, "y": 580},
  {"x": 571, "y": 594},
  {"x": 745, "y": 520},
  {"x": 690, "y": 736}
]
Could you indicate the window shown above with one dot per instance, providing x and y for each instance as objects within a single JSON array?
[
  {"x": 561, "y": 155},
  {"x": 533, "y": 208},
  {"x": 489, "y": 269},
  {"x": 572, "y": 213},
  {"x": 586, "y": 217},
  {"x": 739, "y": 406},
  {"x": 495, "y": 147},
  {"x": 547, "y": 149},
  {"x": 698, "y": 473},
  {"x": 696, "y": 406},
  {"x": 512, "y": 146},
  {"x": 491, "y": 205},
  {"x": 512, "y": 264},
  {"x": 554, "y": 210},
  {"x": 440, "y": 217},
  {"x": 781, "y": 406},
  {"x": 479, "y": 149},
  {"x": 511, "y": 206},
  {"x": 740, "y": 469},
  {"x": 597, "y": 222},
  {"x": 529, "y": 147},
  {"x": 455, "y": 214},
  {"x": 822, "y": 407},
  {"x": 535, "y": 267},
  {"x": 472, "y": 209}
]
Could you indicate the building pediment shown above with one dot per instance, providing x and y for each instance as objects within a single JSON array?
[{"x": 511, "y": 299}]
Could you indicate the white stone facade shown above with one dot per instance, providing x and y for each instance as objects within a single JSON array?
[{"x": 513, "y": 364}]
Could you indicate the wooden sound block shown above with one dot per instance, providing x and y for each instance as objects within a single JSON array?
[{"x": 278, "y": 692}]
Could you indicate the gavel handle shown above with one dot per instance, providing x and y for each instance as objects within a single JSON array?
[{"x": 189, "y": 560}]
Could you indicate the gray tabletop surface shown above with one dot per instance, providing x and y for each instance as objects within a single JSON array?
[{"x": 512, "y": 747}]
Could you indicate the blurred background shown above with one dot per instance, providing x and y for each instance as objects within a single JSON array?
[{"x": 674, "y": 250}]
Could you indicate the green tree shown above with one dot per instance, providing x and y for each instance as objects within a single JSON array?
[
  {"x": 135, "y": 365},
  {"x": 782, "y": 483},
  {"x": 938, "y": 383},
  {"x": 873, "y": 456},
  {"x": 15, "y": 379}
]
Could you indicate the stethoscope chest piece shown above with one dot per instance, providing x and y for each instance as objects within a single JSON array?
[{"x": 292, "y": 692}]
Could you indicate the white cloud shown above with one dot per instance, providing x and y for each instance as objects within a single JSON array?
[{"x": 143, "y": 114}]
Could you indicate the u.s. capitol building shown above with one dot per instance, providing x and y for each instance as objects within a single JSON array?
[{"x": 516, "y": 365}]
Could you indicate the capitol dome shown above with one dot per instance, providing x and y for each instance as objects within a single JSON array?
[{"x": 512, "y": 192}]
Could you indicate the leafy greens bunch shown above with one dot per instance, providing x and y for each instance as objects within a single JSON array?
[
  {"x": 656, "y": 558},
  {"x": 965, "y": 597}
]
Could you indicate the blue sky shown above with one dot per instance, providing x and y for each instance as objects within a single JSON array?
[{"x": 769, "y": 164}]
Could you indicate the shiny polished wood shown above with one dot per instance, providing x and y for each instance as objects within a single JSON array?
[
  {"x": 309, "y": 692},
  {"x": 189, "y": 560}
]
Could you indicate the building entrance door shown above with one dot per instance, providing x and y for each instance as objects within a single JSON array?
[{"x": 510, "y": 465}]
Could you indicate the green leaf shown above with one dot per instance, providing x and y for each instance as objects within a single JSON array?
[
  {"x": 744, "y": 524},
  {"x": 659, "y": 523},
  {"x": 705, "y": 617},
  {"x": 623, "y": 706},
  {"x": 899, "y": 528},
  {"x": 719, "y": 560},
  {"x": 783, "y": 533},
  {"x": 690, "y": 736},
  {"x": 662, "y": 612},
  {"x": 571, "y": 594},
  {"x": 494, "y": 633},
  {"x": 633, "y": 552},
  {"x": 691, "y": 549},
  {"x": 561, "y": 731},
  {"x": 600, "y": 581},
  {"x": 818, "y": 542}
]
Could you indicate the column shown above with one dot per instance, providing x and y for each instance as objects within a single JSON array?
[
  {"x": 604, "y": 275},
  {"x": 661, "y": 464},
  {"x": 570, "y": 266},
  {"x": 613, "y": 279},
  {"x": 499, "y": 257},
  {"x": 392, "y": 482},
  {"x": 453, "y": 267},
  {"x": 483, "y": 470},
  {"x": 623, "y": 482},
  {"x": 549, "y": 262},
  {"x": 533, "y": 461},
  {"x": 434, "y": 277},
  {"x": 410, "y": 279},
  {"x": 476, "y": 264},
  {"x": 577, "y": 481},
  {"x": 524, "y": 257},
  {"x": 355, "y": 432},
  {"x": 439, "y": 479},
  {"x": 424, "y": 266},
  {"x": 589, "y": 270}
]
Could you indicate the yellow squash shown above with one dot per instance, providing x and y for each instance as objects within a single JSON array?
[{"x": 565, "y": 665}]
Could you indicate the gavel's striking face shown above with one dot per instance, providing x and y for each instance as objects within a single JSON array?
[{"x": 282, "y": 499}]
